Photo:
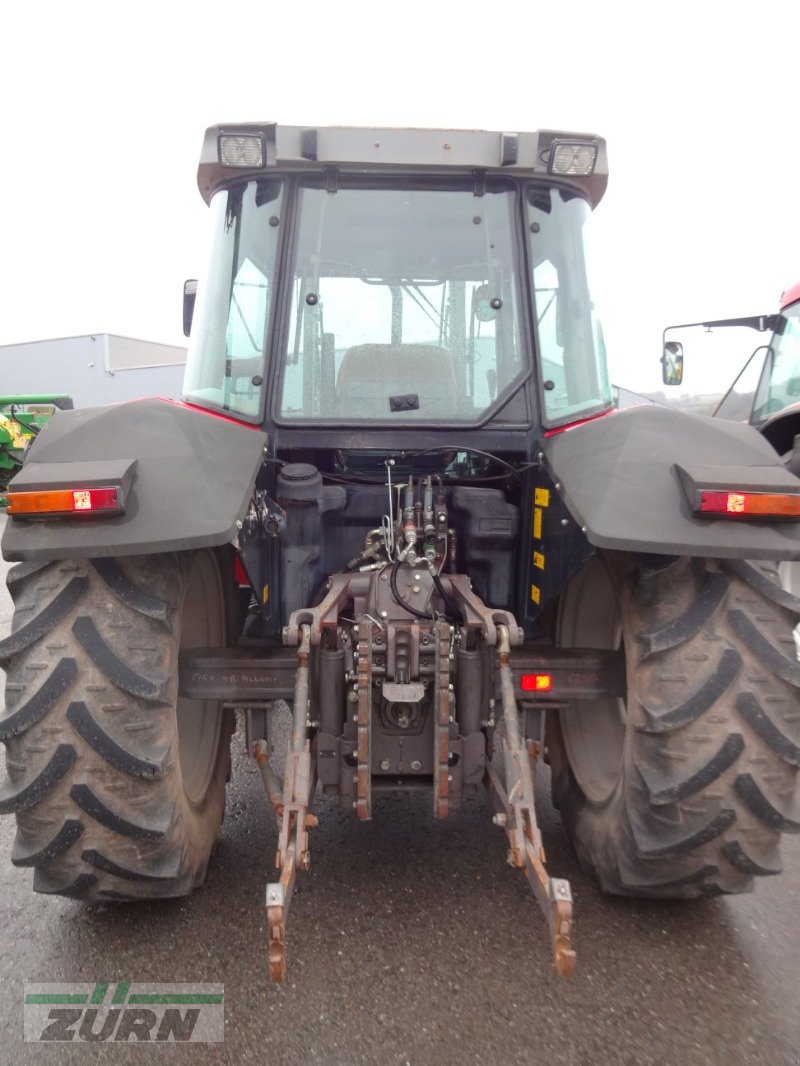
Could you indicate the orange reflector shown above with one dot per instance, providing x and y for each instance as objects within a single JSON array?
[
  {"x": 750, "y": 504},
  {"x": 65, "y": 502},
  {"x": 536, "y": 682}
]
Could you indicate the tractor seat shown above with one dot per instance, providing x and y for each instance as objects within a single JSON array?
[{"x": 371, "y": 373}]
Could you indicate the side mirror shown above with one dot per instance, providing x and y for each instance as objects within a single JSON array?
[
  {"x": 484, "y": 305},
  {"x": 189, "y": 295},
  {"x": 672, "y": 363}
]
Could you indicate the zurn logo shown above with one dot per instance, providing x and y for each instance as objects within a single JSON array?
[{"x": 124, "y": 1011}]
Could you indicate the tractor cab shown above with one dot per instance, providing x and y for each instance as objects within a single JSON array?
[{"x": 398, "y": 279}]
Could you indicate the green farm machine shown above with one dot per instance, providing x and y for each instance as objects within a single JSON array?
[{"x": 21, "y": 418}]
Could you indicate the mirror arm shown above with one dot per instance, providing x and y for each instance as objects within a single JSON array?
[{"x": 189, "y": 296}]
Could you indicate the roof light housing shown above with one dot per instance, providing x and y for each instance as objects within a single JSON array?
[
  {"x": 568, "y": 157},
  {"x": 244, "y": 150}
]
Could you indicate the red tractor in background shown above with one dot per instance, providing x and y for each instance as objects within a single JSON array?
[{"x": 765, "y": 392}]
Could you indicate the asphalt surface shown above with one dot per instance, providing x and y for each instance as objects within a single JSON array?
[{"x": 412, "y": 942}]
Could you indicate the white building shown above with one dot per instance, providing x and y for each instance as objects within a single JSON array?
[{"x": 94, "y": 370}]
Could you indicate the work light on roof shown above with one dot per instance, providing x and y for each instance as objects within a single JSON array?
[
  {"x": 241, "y": 150},
  {"x": 572, "y": 157}
]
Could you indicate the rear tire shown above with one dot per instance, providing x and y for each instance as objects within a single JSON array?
[
  {"x": 684, "y": 788},
  {"x": 118, "y": 786}
]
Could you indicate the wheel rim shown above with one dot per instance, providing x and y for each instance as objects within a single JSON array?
[
  {"x": 593, "y": 730},
  {"x": 199, "y": 721}
]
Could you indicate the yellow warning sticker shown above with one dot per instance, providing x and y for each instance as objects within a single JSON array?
[
  {"x": 538, "y": 560},
  {"x": 536, "y": 593},
  {"x": 541, "y": 497},
  {"x": 537, "y": 523},
  {"x": 265, "y": 594}
]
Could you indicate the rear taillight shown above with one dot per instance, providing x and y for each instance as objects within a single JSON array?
[
  {"x": 749, "y": 504},
  {"x": 107, "y": 501},
  {"x": 536, "y": 682}
]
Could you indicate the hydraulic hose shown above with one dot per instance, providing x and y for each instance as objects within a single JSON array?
[{"x": 452, "y": 607}]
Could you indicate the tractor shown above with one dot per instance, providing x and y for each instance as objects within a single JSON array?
[{"x": 396, "y": 496}]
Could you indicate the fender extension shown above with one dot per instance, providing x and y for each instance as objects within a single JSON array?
[
  {"x": 191, "y": 478},
  {"x": 620, "y": 478}
]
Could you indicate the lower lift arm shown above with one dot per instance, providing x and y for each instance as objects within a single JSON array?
[{"x": 517, "y": 814}]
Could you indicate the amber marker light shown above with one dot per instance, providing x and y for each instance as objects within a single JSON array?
[
  {"x": 536, "y": 682},
  {"x": 62, "y": 502},
  {"x": 749, "y": 504}
]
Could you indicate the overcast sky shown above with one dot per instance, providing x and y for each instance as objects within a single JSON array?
[{"x": 104, "y": 106}]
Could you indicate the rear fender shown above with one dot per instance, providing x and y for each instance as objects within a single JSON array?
[
  {"x": 191, "y": 475},
  {"x": 619, "y": 478}
]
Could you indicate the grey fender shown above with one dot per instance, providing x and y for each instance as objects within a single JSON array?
[
  {"x": 624, "y": 477},
  {"x": 187, "y": 476}
]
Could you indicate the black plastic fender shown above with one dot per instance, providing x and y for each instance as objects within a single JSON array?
[
  {"x": 619, "y": 477},
  {"x": 190, "y": 477}
]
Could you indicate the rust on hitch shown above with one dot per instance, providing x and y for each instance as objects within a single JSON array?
[
  {"x": 514, "y": 801},
  {"x": 295, "y": 821}
]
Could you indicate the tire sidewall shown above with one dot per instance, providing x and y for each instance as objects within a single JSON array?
[{"x": 602, "y": 826}]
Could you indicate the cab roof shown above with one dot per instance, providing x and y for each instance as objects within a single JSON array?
[
  {"x": 792, "y": 295},
  {"x": 359, "y": 151}
]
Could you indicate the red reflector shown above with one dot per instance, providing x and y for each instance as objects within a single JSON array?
[
  {"x": 239, "y": 572},
  {"x": 64, "y": 502},
  {"x": 536, "y": 682},
  {"x": 95, "y": 499},
  {"x": 750, "y": 504}
]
